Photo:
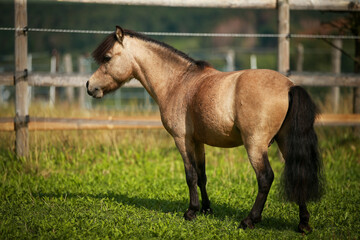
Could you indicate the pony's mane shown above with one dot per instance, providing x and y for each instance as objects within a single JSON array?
[{"x": 109, "y": 41}]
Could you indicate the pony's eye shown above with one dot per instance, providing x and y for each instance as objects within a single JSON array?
[{"x": 107, "y": 59}]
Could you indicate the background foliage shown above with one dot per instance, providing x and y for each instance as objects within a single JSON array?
[{"x": 165, "y": 19}]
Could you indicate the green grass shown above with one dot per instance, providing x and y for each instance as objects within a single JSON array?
[{"x": 130, "y": 184}]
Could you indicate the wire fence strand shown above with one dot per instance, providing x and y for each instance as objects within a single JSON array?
[{"x": 179, "y": 34}]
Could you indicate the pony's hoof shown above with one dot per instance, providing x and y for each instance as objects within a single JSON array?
[
  {"x": 190, "y": 215},
  {"x": 304, "y": 228},
  {"x": 206, "y": 211},
  {"x": 247, "y": 223}
]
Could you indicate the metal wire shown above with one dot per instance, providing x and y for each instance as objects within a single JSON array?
[
  {"x": 178, "y": 34},
  {"x": 50, "y": 30}
]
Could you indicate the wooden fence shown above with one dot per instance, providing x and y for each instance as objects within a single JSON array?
[
  {"x": 335, "y": 5},
  {"x": 78, "y": 80},
  {"x": 22, "y": 79},
  {"x": 110, "y": 123}
]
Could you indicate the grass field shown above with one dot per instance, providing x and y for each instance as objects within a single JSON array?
[{"x": 130, "y": 184}]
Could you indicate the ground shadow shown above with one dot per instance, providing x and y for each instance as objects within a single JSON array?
[{"x": 221, "y": 211}]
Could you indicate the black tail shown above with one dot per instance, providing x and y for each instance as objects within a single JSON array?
[{"x": 302, "y": 178}]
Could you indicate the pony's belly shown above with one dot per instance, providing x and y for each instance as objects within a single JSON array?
[
  {"x": 223, "y": 143},
  {"x": 219, "y": 137}
]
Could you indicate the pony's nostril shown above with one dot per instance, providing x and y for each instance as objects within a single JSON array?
[{"x": 87, "y": 84}]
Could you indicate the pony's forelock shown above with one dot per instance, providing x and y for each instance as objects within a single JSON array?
[{"x": 99, "y": 53}]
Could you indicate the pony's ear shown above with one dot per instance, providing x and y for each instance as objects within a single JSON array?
[{"x": 119, "y": 34}]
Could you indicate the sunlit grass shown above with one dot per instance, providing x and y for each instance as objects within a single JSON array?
[{"x": 131, "y": 184}]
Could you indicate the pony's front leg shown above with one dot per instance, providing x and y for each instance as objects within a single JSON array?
[
  {"x": 265, "y": 176},
  {"x": 187, "y": 151},
  {"x": 200, "y": 168}
]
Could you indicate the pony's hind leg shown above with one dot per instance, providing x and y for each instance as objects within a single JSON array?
[
  {"x": 259, "y": 160},
  {"x": 304, "y": 215}
]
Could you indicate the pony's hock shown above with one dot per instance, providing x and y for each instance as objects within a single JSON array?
[{"x": 201, "y": 105}]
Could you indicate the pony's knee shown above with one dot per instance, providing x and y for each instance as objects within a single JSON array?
[
  {"x": 191, "y": 177},
  {"x": 202, "y": 179}
]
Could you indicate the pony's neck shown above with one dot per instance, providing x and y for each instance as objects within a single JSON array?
[{"x": 157, "y": 68}]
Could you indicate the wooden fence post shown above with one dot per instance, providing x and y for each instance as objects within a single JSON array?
[
  {"x": 146, "y": 100},
  {"x": 253, "y": 61},
  {"x": 299, "y": 57},
  {"x": 21, "y": 85},
  {"x": 230, "y": 60},
  {"x": 69, "y": 69},
  {"x": 356, "y": 90},
  {"x": 53, "y": 69},
  {"x": 336, "y": 68},
  {"x": 30, "y": 88},
  {"x": 118, "y": 99},
  {"x": 84, "y": 67},
  {"x": 284, "y": 40}
]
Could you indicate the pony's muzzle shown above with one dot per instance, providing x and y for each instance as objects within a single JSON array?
[{"x": 94, "y": 92}]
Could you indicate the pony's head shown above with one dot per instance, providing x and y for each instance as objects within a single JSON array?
[{"x": 115, "y": 65}]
